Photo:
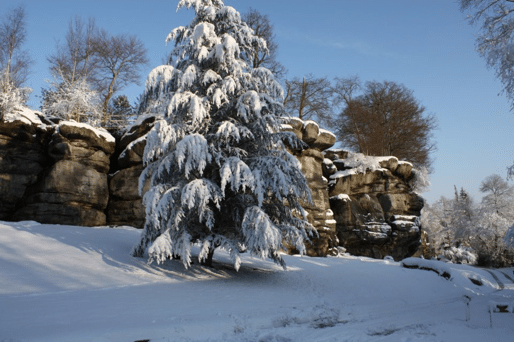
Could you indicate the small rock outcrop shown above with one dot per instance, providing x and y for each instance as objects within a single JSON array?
[{"x": 376, "y": 210}]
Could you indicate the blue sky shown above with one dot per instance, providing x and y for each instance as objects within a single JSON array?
[{"x": 426, "y": 45}]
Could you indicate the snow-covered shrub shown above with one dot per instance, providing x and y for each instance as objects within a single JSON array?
[
  {"x": 459, "y": 255},
  {"x": 11, "y": 97},
  {"x": 73, "y": 100},
  {"x": 494, "y": 252},
  {"x": 219, "y": 170},
  {"x": 489, "y": 242}
]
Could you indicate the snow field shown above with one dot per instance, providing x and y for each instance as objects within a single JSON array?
[{"x": 67, "y": 283}]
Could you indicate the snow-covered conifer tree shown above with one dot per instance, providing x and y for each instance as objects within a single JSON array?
[{"x": 219, "y": 171}]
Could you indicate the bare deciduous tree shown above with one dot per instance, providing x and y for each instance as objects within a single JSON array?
[
  {"x": 97, "y": 61},
  {"x": 495, "y": 42},
  {"x": 384, "y": 120},
  {"x": 499, "y": 195},
  {"x": 14, "y": 62},
  {"x": 344, "y": 90},
  {"x": 74, "y": 60},
  {"x": 119, "y": 62},
  {"x": 309, "y": 98},
  {"x": 263, "y": 28}
]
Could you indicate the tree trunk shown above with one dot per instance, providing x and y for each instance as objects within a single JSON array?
[
  {"x": 302, "y": 99},
  {"x": 110, "y": 92},
  {"x": 208, "y": 260}
]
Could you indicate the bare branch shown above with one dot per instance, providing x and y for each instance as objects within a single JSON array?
[
  {"x": 309, "y": 98},
  {"x": 107, "y": 63},
  {"x": 495, "y": 42},
  {"x": 119, "y": 60},
  {"x": 263, "y": 28}
]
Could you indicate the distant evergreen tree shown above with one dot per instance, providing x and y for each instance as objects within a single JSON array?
[
  {"x": 220, "y": 174},
  {"x": 466, "y": 202},
  {"x": 121, "y": 112}
]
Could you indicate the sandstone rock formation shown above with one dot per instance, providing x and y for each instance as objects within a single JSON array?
[
  {"x": 55, "y": 171},
  {"x": 73, "y": 189},
  {"x": 22, "y": 157},
  {"x": 372, "y": 198},
  {"x": 125, "y": 205}
]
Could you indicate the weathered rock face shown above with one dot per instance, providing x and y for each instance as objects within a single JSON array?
[
  {"x": 377, "y": 212},
  {"x": 53, "y": 172},
  {"x": 311, "y": 158},
  {"x": 22, "y": 158},
  {"x": 125, "y": 205},
  {"x": 73, "y": 189}
]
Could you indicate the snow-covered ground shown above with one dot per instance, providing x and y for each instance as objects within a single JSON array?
[{"x": 67, "y": 283}]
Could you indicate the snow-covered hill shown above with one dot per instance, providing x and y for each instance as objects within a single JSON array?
[{"x": 68, "y": 283}]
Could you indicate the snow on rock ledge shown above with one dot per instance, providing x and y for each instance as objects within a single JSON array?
[
  {"x": 95, "y": 137},
  {"x": 53, "y": 171},
  {"x": 22, "y": 156}
]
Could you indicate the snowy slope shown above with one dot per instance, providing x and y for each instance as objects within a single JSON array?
[{"x": 66, "y": 283}]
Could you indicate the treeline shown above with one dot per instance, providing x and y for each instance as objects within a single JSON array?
[
  {"x": 91, "y": 67},
  {"x": 374, "y": 118},
  {"x": 462, "y": 231},
  {"x": 89, "y": 70}
]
